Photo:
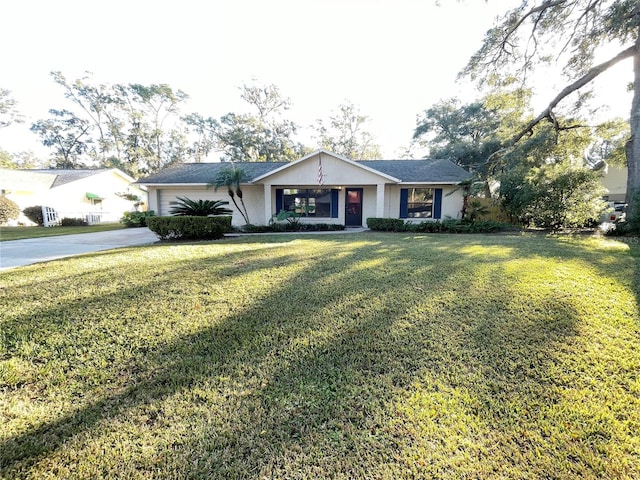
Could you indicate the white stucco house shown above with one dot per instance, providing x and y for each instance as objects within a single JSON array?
[
  {"x": 324, "y": 187},
  {"x": 88, "y": 194}
]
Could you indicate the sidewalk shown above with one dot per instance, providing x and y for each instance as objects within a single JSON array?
[{"x": 17, "y": 253}]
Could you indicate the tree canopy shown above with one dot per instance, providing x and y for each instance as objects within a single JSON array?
[{"x": 572, "y": 33}]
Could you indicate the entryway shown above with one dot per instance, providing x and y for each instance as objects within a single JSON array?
[{"x": 353, "y": 207}]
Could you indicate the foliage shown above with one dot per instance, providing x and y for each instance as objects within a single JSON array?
[
  {"x": 136, "y": 219},
  {"x": 573, "y": 34},
  {"x": 8, "y": 112},
  {"x": 67, "y": 135},
  {"x": 438, "y": 226},
  {"x": 187, "y": 227},
  {"x": 9, "y": 210},
  {"x": 336, "y": 356},
  {"x": 132, "y": 197},
  {"x": 34, "y": 213},
  {"x": 345, "y": 135},
  {"x": 263, "y": 136},
  {"x": 231, "y": 178},
  {"x": 199, "y": 208},
  {"x": 386, "y": 224},
  {"x": 553, "y": 196},
  {"x": 73, "y": 222}
]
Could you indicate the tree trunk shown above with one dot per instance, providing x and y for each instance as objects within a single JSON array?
[{"x": 633, "y": 145}]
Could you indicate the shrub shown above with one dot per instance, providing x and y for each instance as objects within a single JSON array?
[
  {"x": 9, "y": 210},
  {"x": 386, "y": 224},
  {"x": 186, "y": 227},
  {"x": 199, "y": 208},
  {"x": 34, "y": 214},
  {"x": 73, "y": 222},
  {"x": 136, "y": 219}
]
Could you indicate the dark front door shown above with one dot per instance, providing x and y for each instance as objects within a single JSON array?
[{"x": 353, "y": 205}]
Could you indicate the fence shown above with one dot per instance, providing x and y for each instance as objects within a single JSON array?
[{"x": 52, "y": 217}]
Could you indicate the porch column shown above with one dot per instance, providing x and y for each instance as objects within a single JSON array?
[
  {"x": 267, "y": 203},
  {"x": 380, "y": 201}
]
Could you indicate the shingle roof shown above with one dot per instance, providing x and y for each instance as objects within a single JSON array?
[
  {"x": 67, "y": 176},
  {"x": 419, "y": 171},
  {"x": 426, "y": 170},
  {"x": 203, "y": 173}
]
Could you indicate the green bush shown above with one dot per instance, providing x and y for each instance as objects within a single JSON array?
[
  {"x": 136, "y": 219},
  {"x": 444, "y": 226},
  {"x": 73, "y": 222},
  {"x": 9, "y": 210},
  {"x": 186, "y": 227},
  {"x": 34, "y": 214},
  {"x": 386, "y": 224}
]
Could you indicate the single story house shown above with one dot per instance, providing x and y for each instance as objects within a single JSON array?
[
  {"x": 92, "y": 195},
  {"x": 323, "y": 187}
]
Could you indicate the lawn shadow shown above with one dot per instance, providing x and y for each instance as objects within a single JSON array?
[{"x": 316, "y": 373}]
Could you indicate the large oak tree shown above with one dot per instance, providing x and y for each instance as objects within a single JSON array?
[{"x": 573, "y": 32}]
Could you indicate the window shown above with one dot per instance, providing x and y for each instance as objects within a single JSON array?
[
  {"x": 308, "y": 202},
  {"x": 419, "y": 202}
]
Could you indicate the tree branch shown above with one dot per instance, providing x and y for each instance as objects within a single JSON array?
[{"x": 547, "y": 113}]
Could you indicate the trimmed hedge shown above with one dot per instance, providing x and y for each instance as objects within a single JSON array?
[
  {"x": 188, "y": 228},
  {"x": 444, "y": 226},
  {"x": 73, "y": 222},
  {"x": 34, "y": 213}
]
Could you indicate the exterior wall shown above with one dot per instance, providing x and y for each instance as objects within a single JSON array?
[
  {"x": 615, "y": 181},
  {"x": 451, "y": 202},
  {"x": 71, "y": 199},
  {"x": 335, "y": 172},
  {"x": 160, "y": 200}
]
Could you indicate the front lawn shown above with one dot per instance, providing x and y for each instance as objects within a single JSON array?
[
  {"x": 332, "y": 356},
  {"x": 20, "y": 233}
]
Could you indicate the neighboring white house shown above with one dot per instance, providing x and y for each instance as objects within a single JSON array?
[
  {"x": 88, "y": 194},
  {"x": 324, "y": 187},
  {"x": 614, "y": 179}
]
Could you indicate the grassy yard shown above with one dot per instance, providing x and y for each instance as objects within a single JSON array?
[
  {"x": 382, "y": 356},
  {"x": 19, "y": 233}
]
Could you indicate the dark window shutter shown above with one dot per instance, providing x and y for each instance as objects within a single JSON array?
[
  {"x": 437, "y": 203},
  {"x": 334, "y": 203},
  {"x": 279, "y": 199},
  {"x": 404, "y": 200}
]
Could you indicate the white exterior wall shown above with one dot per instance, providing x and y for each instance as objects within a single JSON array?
[
  {"x": 70, "y": 199},
  {"x": 451, "y": 204},
  {"x": 615, "y": 181}
]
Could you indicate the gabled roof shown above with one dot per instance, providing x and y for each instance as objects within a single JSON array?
[
  {"x": 56, "y": 177},
  {"x": 203, "y": 173},
  {"x": 402, "y": 171}
]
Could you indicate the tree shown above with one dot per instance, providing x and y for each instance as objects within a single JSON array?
[
  {"x": 554, "y": 195},
  {"x": 264, "y": 136},
  {"x": 571, "y": 32},
  {"x": 232, "y": 178},
  {"x": 66, "y": 134},
  {"x": 133, "y": 127},
  {"x": 8, "y": 112},
  {"x": 345, "y": 134}
]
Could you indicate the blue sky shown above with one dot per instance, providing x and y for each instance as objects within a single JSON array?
[{"x": 392, "y": 58}]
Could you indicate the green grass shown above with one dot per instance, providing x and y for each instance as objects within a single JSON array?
[
  {"x": 331, "y": 356},
  {"x": 20, "y": 233}
]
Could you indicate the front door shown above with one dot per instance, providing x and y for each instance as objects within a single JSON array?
[{"x": 353, "y": 205}]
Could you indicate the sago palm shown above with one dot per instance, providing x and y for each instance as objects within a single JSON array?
[{"x": 199, "y": 208}]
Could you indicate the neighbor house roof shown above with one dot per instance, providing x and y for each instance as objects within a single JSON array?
[
  {"x": 407, "y": 171},
  {"x": 71, "y": 175}
]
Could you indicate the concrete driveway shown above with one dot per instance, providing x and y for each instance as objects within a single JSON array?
[{"x": 16, "y": 253}]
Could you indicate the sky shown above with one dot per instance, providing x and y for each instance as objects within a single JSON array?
[{"x": 393, "y": 59}]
